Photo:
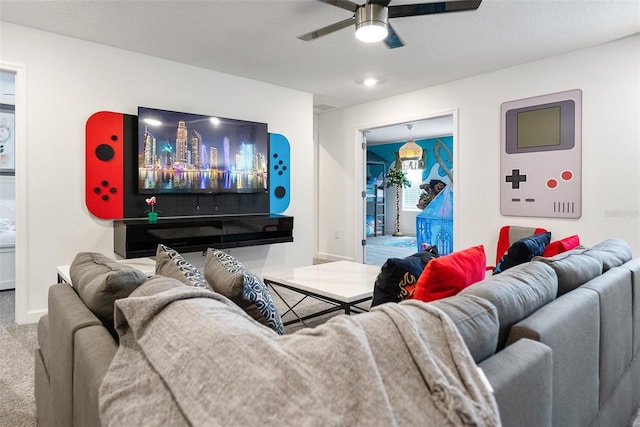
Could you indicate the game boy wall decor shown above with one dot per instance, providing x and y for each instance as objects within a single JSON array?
[{"x": 541, "y": 156}]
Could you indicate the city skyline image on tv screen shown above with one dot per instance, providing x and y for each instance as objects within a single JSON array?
[{"x": 193, "y": 153}]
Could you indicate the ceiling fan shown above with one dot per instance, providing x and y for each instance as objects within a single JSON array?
[{"x": 372, "y": 18}]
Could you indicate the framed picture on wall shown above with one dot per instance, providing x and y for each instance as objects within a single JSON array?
[{"x": 7, "y": 139}]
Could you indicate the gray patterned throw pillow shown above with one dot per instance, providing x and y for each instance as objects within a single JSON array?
[
  {"x": 170, "y": 263},
  {"x": 227, "y": 276}
]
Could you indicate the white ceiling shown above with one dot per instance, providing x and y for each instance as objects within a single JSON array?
[{"x": 257, "y": 39}]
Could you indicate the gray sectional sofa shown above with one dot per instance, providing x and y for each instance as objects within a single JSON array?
[{"x": 558, "y": 339}]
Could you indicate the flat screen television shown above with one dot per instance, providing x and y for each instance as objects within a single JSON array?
[{"x": 186, "y": 153}]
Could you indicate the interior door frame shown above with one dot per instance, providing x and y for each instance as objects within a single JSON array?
[
  {"x": 21, "y": 250},
  {"x": 360, "y": 169}
]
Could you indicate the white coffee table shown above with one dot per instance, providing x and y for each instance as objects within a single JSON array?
[{"x": 342, "y": 284}]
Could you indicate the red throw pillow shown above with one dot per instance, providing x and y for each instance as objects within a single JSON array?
[
  {"x": 559, "y": 246},
  {"x": 449, "y": 274}
]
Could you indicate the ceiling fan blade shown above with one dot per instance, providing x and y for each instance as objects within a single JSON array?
[
  {"x": 393, "y": 40},
  {"x": 344, "y": 4},
  {"x": 384, "y": 3},
  {"x": 328, "y": 29},
  {"x": 400, "y": 11}
]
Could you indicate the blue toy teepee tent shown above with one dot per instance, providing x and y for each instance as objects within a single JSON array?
[{"x": 434, "y": 225}]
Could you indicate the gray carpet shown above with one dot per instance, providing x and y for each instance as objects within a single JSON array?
[
  {"x": 17, "y": 404},
  {"x": 7, "y": 307},
  {"x": 304, "y": 307}
]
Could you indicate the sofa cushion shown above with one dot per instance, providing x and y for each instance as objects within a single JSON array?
[
  {"x": 100, "y": 281},
  {"x": 573, "y": 268},
  {"x": 449, "y": 274},
  {"x": 170, "y": 263},
  {"x": 517, "y": 293},
  {"x": 521, "y": 376},
  {"x": 559, "y": 246},
  {"x": 615, "y": 299},
  {"x": 67, "y": 314},
  {"x": 612, "y": 253},
  {"x": 397, "y": 278},
  {"x": 476, "y": 320},
  {"x": 227, "y": 276},
  {"x": 570, "y": 326},
  {"x": 523, "y": 251},
  {"x": 634, "y": 267}
]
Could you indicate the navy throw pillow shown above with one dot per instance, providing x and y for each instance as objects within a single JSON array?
[
  {"x": 398, "y": 277},
  {"x": 523, "y": 251},
  {"x": 426, "y": 255}
]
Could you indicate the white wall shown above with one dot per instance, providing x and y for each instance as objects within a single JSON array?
[
  {"x": 66, "y": 81},
  {"x": 609, "y": 77}
]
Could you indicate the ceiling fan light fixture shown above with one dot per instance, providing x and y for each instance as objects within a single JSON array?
[
  {"x": 372, "y": 23},
  {"x": 370, "y": 32}
]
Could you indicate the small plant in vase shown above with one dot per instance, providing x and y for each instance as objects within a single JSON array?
[
  {"x": 397, "y": 178},
  {"x": 152, "y": 214}
]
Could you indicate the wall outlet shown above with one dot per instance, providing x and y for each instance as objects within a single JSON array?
[{"x": 336, "y": 234}]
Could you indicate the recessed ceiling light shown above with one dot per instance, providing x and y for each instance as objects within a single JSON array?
[{"x": 370, "y": 82}]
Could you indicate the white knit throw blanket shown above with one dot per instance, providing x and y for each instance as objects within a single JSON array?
[{"x": 190, "y": 357}]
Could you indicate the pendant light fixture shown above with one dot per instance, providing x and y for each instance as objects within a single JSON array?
[{"x": 410, "y": 151}]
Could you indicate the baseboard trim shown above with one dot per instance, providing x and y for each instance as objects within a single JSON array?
[
  {"x": 325, "y": 257},
  {"x": 34, "y": 316}
]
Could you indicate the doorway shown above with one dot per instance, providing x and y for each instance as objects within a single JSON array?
[{"x": 435, "y": 136}]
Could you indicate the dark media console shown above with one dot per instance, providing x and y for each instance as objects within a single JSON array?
[{"x": 138, "y": 238}]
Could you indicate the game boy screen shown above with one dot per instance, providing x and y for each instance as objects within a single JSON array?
[{"x": 539, "y": 128}]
